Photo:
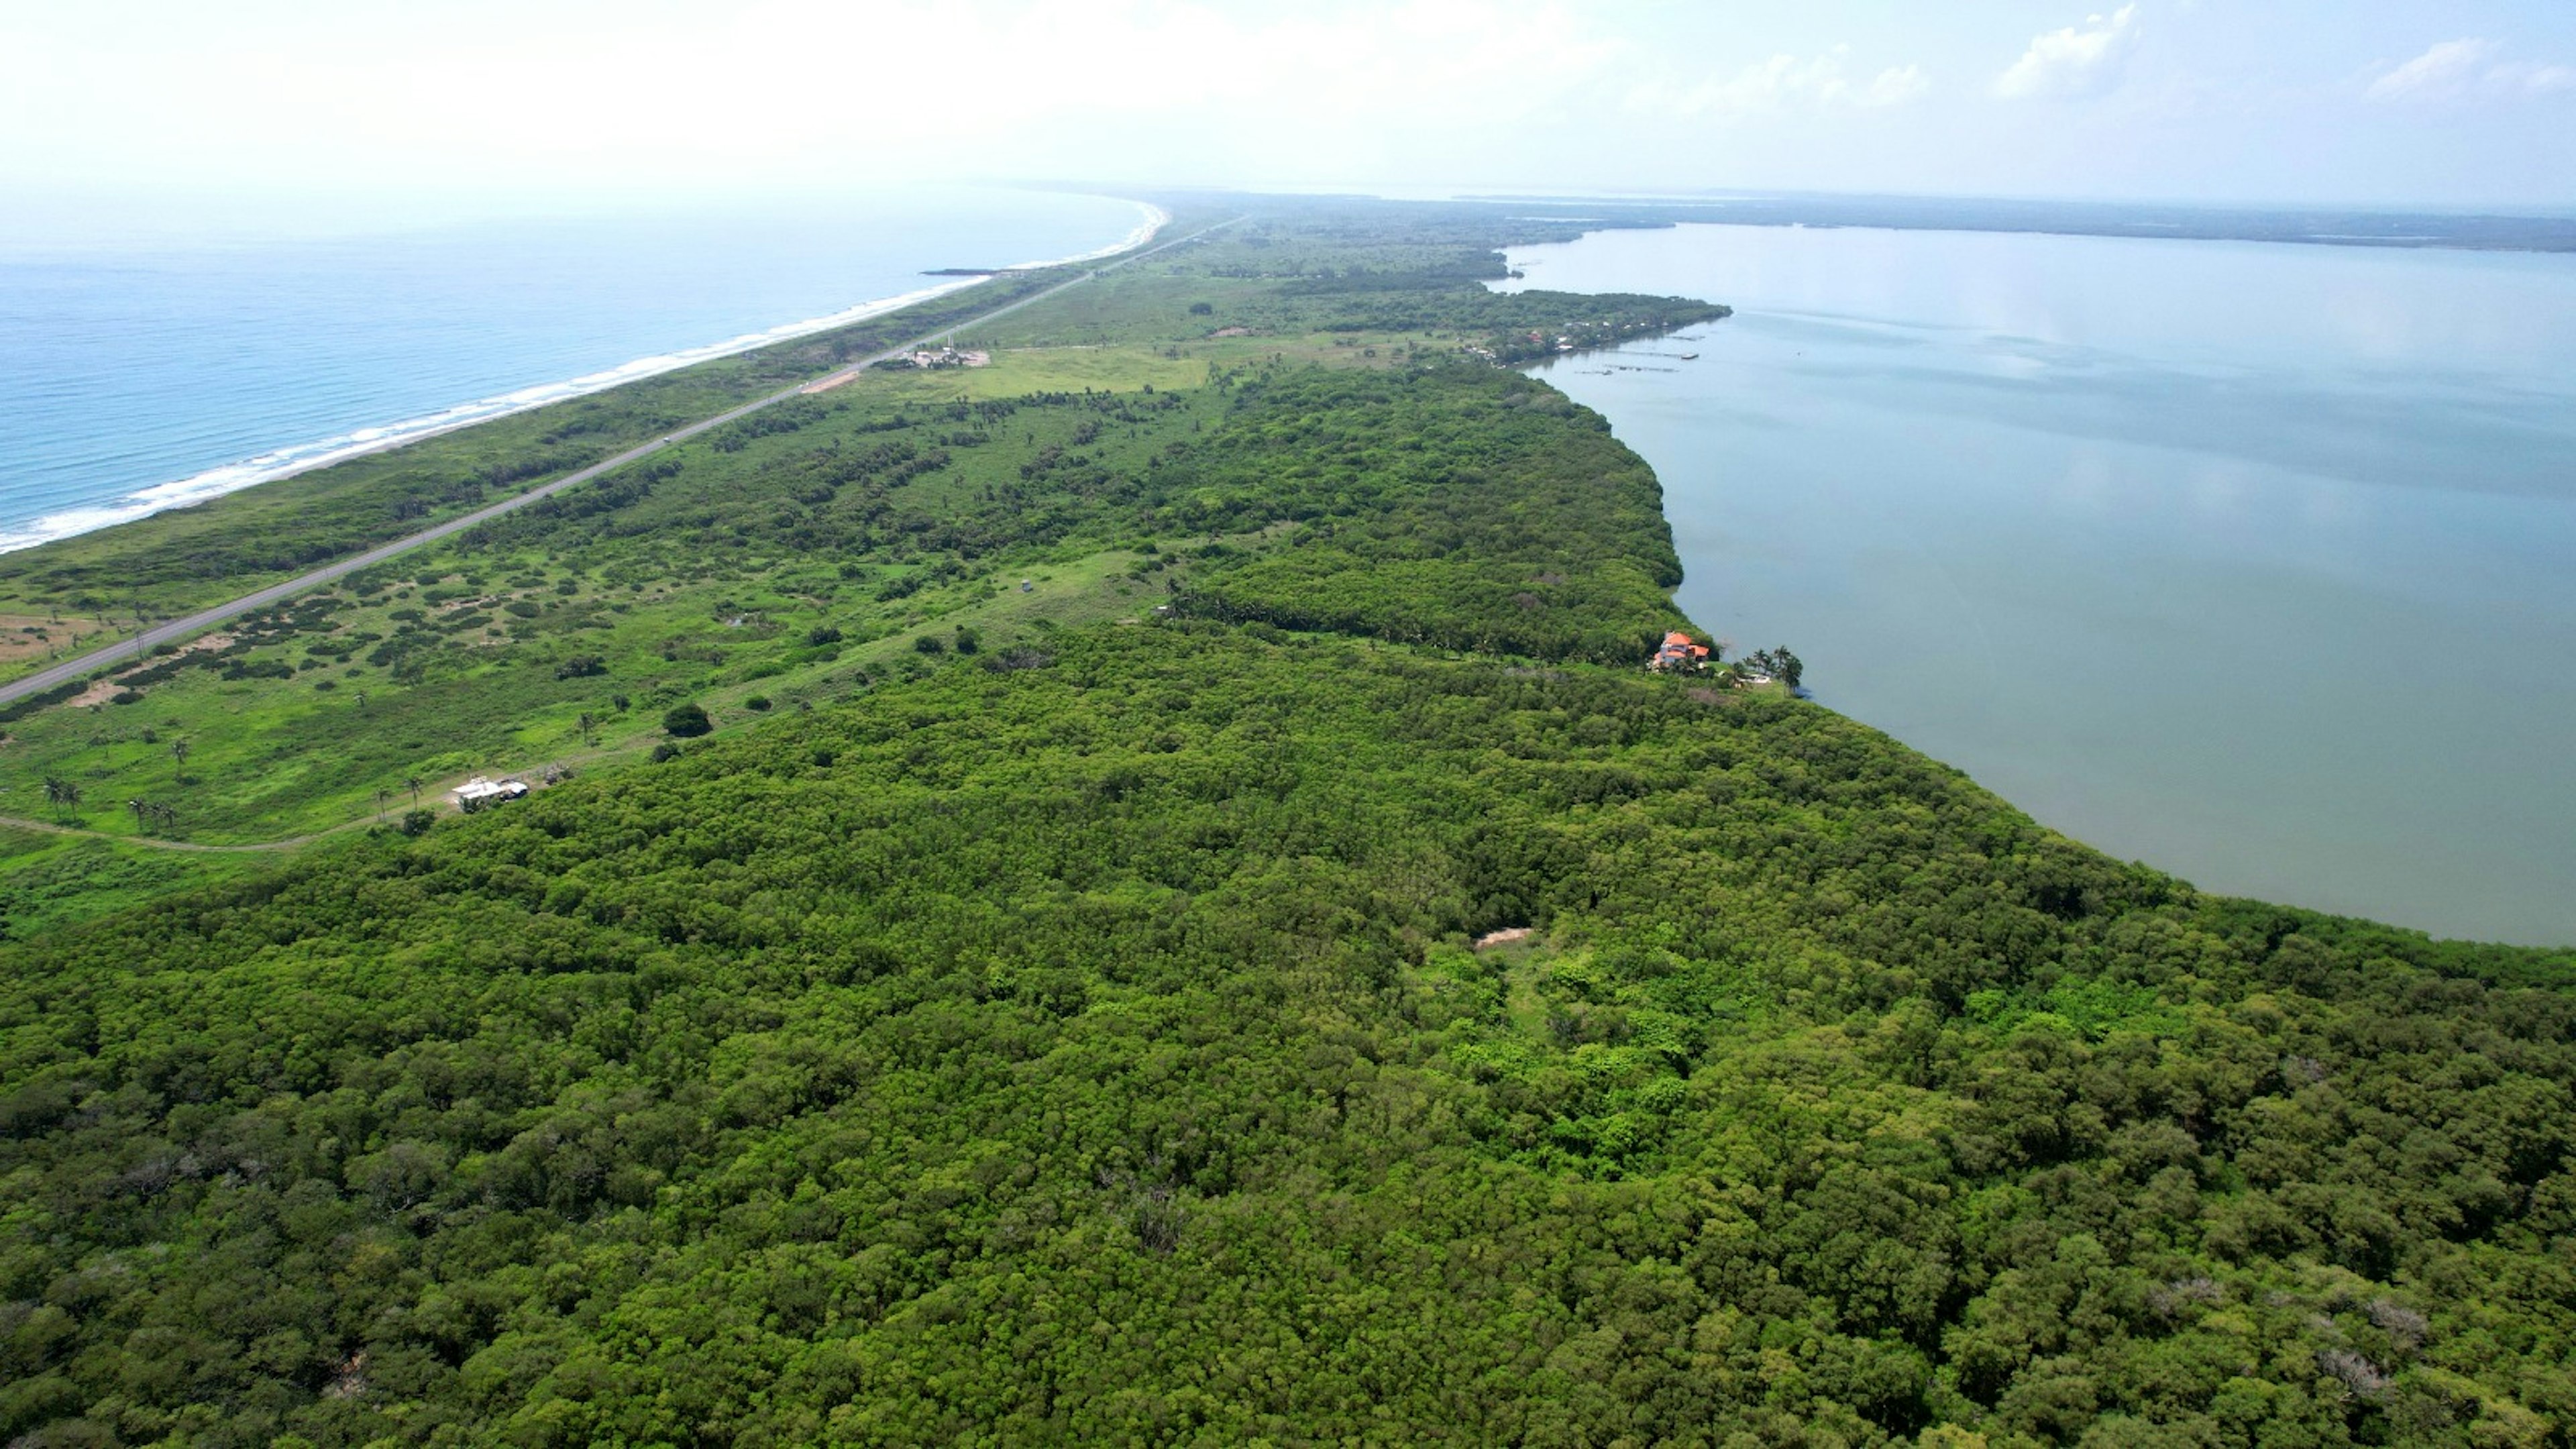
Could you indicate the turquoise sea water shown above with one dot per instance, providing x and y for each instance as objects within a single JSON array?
[
  {"x": 137, "y": 373},
  {"x": 2253, "y": 562}
]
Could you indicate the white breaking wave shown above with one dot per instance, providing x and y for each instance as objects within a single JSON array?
[
  {"x": 304, "y": 457},
  {"x": 1155, "y": 220}
]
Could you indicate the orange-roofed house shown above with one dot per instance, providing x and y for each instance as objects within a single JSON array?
[{"x": 1678, "y": 651}]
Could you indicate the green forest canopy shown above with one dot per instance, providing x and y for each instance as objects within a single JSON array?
[{"x": 1085, "y": 1039}]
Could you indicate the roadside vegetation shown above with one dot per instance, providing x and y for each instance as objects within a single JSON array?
[
  {"x": 1144, "y": 894},
  {"x": 166, "y": 565}
]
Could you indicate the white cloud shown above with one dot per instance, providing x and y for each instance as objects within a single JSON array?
[
  {"x": 1783, "y": 81},
  {"x": 2460, "y": 69},
  {"x": 609, "y": 94},
  {"x": 2069, "y": 63},
  {"x": 1896, "y": 85},
  {"x": 2444, "y": 70}
]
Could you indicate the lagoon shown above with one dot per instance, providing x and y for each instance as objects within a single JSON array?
[{"x": 2251, "y": 561}]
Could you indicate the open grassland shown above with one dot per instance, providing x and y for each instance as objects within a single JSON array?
[
  {"x": 1020, "y": 371},
  {"x": 28, "y": 641},
  {"x": 50, "y": 880}
]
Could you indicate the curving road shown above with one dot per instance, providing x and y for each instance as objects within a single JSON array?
[{"x": 176, "y": 629}]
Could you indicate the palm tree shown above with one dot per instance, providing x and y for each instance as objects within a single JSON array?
[
  {"x": 382, "y": 795},
  {"x": 179, "y": 753},
  {"x": 412, "y": 783},
  {"x": 138, "y": 807}
]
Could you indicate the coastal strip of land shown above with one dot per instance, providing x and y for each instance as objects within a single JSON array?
[{"x": 180, "y": 628}]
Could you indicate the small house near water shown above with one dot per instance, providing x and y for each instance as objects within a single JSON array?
[{"x": 1679, "y": 652}]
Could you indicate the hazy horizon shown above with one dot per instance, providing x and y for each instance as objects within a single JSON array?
[{"x": 476, "y": 108}]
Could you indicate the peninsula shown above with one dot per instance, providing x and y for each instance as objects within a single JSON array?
[{"x": 1146, "y": 891}]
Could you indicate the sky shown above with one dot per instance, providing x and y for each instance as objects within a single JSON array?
[{"x": 437, "y": 104}]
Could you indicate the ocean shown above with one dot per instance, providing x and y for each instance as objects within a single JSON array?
[
  {"x": 2255, "y": 562},
  {"x": 141, "y": 373}
]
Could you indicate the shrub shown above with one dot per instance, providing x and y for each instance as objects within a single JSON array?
[
  {"x": 417, "y": 822},
  {"x": 686, "y": 721},
  {"x": 758, "y": 703},
  {"x": 582, "y": 666},
  {"x": 929, "y": 644}
]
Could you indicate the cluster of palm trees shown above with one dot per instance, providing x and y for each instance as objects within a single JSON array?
[
  {"x": 65, "y": 796},
  {"x": 384, "y": 795},
  {"x": 148, "y": 813},
  {"x": 62, "y": 794}
]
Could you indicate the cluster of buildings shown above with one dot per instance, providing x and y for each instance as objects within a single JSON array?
[{"x": 944, "y": 357}]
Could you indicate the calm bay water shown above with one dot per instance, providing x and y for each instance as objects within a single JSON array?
[
  {"x": 2256, "y": 563},
  {"x": 146, "y": 373}
]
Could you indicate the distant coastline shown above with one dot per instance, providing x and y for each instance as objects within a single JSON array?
[
  {"x": 291, "y": 459},
  {"x": 2291, "y": 225}
]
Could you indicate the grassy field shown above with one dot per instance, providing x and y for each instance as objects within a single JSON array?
[
  {"x": 1016, "y": 372},
  {"x": 49, "y": 879}
]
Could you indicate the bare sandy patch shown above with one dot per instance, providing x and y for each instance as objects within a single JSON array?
[
  {"x": 19, "y": 637},
  {"x": 108, "y": 687}
]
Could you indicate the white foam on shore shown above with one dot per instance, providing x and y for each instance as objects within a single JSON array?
[
  {"x": 285, "y": 462},
  {"x": 1155, "y": 220}
]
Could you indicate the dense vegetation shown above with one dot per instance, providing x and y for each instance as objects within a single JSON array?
[
  {"x": 1402, "y": 526},
  {"x": 797, "y": 554},
  {"x": 1300, "y": 994},
  {"x": 213, "y": 550},
  {"x": 1092, "y": 1049}
]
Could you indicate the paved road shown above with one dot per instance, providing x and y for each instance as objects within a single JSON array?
[{"x": 176, "y": 629}]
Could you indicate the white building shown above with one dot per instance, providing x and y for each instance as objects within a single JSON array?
[{"x": 478, "y": 792}]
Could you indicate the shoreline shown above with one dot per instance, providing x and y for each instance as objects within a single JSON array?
[{"x": 292, "y": 459}]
